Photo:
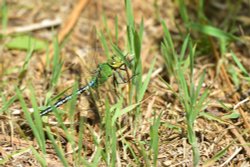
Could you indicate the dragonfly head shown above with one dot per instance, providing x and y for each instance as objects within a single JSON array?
[{"x": 115, "y": 62}]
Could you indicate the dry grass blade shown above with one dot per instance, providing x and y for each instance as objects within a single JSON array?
[{"x": 224, "y": 76}]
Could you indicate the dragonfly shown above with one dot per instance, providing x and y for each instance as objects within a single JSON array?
[{"x": 103, "y": 73}]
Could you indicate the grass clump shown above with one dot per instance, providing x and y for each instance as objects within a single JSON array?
[{"x": 189, "y": 95}]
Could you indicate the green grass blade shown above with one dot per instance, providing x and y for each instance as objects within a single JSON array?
[
  {"x": 129, "y": 13},
  {"x": 55, "y": 98},
  {"x": 143, "y": 152},
  {"x": 183, "y": 11},
  {"x": 80, "y": 143},
  {"x": 135, "y": 157},
  {"x": 138, "y": 64},
  {"x": 72, "y": 105},
  {"x": 184, "y": 92},
  {"x": 141, "y": 30},
  {"x": 38, "y": 121},
  {"x": 199, "y": 86},
  {"x": 25, "y": 66},
  {"x": 38, "y": 157},
  {"x": 193, "y": 141},
  {"x": 234, "y": 75},
  {"x": 216, "y": 157},
  {"x": 146, "y": 82},
  {"x": 201, "y": 103},
  {"x": 7, "y": 104},
  {"x": 59, "y": 152},
  {"x": 108, "y": 133},
  {"x": 130, "y": 26},
  {"x": 212, "y": 31},
  {"x": 4, "y": 14},
  {"x": 168, "y": 51},
  {"x": 168, "y": 38},
  {"x": 122, "y": 112},
  {"x": 200, "y": 10},
  {"x": 32, "y": 123},
  {"x": 191, "y": 59},
  {"x": 107, "y": 30},
  {"x": 154, "y": 136},
  {"x": 184, "y": 47},
  {"x": 57, "y": 63},
  {"x": 104, "y": 44},
  {"x": 24, "y": 42},
  {"x": 237, "y": 61},
  {"x": 130, "y": 39},
  {"x": 6, "y": 159},
  {"x": 212, "y": 117},
  {"x": 97, "y": 157},
  {"x": 69, "y": 136}
]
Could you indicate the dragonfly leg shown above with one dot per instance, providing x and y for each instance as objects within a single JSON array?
[
  {"x": 122, "y": 78},
  {"x": 115, "y": 83}
]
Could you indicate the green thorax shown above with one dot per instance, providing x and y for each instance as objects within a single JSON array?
[{"x": 104, "y": 71}]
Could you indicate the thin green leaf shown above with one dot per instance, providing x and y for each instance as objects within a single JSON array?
[
  {"x": 59, "y": 151},
  {"x": 104, "y": 44},
  {"x": 154, "y": 136},
  {"x": 199, "y": 86},
  {"x": 26, "y": 62},
  {"x": 237, "y": 61},
  {"x": 23, "y": 42},
  {"x": 57, "y": 63},
  {"x": 141, "y": 30},
  {"x": 40, "y": 158},
  {"x": 7, "y": 104},
  {"x": 29, "y": 119},
  {"x": 213, "y": 117},
  {"x": 143, "y": 152},
  {"x": 4, "y": 14},
  {"x": 183, "y": 11},
  {"x": 167, "y": 36},
  {"x": 216, "y": 157},
  {"x": 212, "y": 31},
  {"x": 146, "y": 82},
  {"x": 184, "y": 47},
  {"x": 129, "y": 13},
  {"x": 38, "y": 121},
  {"x": 122, "y": 112}
]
